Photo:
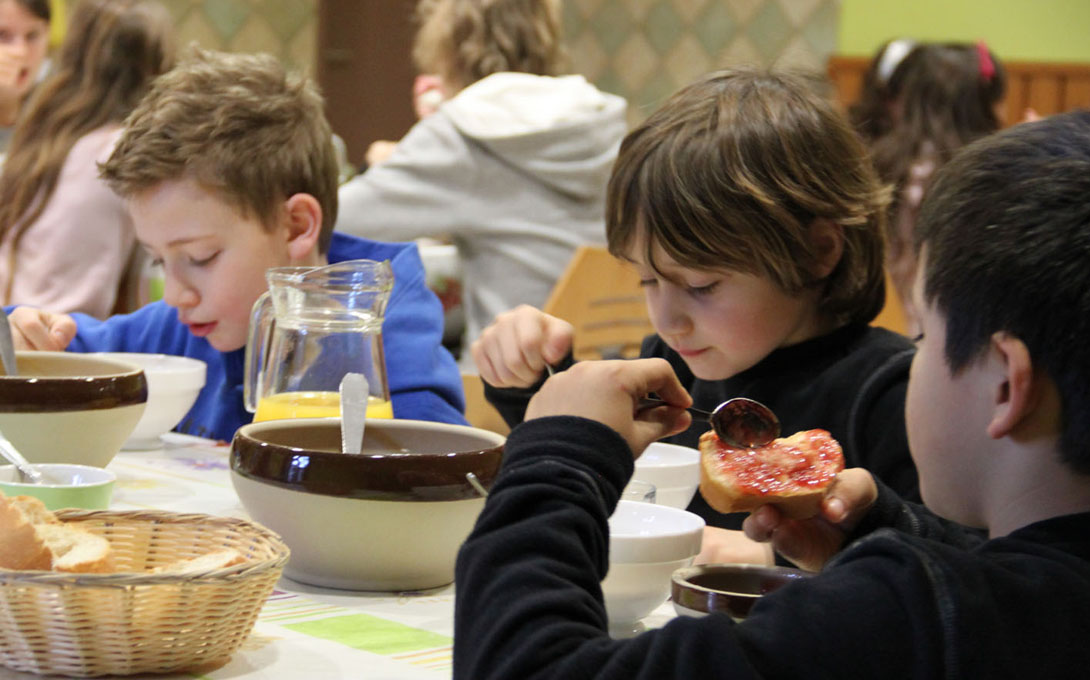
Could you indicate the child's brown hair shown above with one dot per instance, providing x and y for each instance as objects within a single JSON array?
[
  {"x": 463, "y": 41},
  {"x": 238, "y": 125},
  {"x": 731, "y": 172},
  {"x": 112, "y": 51}
]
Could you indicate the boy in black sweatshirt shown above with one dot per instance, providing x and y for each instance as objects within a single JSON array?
[{"x": 996, "y": 417}]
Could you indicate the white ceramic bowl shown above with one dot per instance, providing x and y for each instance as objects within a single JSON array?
[
  {"x": 65, "y": 486},
  {"x": 66, "y": 407},
  {"x": 391, "y": 518},
  {"x": 173, "y": 385},
  {"x": 647, "y": 543},
  {"x": 673, "y": 469}
]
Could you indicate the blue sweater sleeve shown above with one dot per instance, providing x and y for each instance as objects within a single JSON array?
[{"x": 424, "y": 380}]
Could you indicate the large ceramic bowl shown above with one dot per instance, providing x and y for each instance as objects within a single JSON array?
[
  {"x": 65, "y": 407},
  {"x": 391, "y": 518},
  {"x": 173, "y": 385},
  {"x": 673, "y": 469},
  {"x": 647, "y": 543},
  {"x": 729, "y": 588}
]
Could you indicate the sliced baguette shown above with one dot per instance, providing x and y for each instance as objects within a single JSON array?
[
  {"x": 219, "y": 559},
  {"x": 21, "y": 547},
  {"x": 76, "y": 550},
  {"x": 31, "y": 537}
]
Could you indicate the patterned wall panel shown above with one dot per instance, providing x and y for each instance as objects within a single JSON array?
[
  {"x": 285, "y": 28},
  {"x": 646, "y": 49}
]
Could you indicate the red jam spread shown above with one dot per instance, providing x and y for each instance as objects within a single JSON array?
[{"x": 804, "y": 461}]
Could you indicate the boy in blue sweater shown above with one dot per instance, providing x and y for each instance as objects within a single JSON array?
[{"x": 228, "y": 168}]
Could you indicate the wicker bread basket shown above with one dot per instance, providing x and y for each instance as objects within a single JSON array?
[{"x": 133, "y": 621}]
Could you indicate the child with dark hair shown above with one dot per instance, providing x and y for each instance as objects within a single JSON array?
[
  {"x": 24, "y": 45},
  {"x": 872, "y": 114},
  {"x": 749, "y": 208},
  {"x": 66, "y": 240},
  {"x": 948, "y": 95},
  {"x": 996, "y": 420}
]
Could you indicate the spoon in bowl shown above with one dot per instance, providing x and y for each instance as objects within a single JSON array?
[
  {"x": 354, "y": 391},
  {"x": 741, "y": 422},
  {"x": 7, "y": 346},
  {"x": 27, "y": 472}
]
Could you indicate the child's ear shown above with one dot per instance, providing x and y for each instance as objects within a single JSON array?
[
  {"x": 827, "y": 244},
  {"x": 304, "y": 221},
  {"x": 1018, "y": 390}
]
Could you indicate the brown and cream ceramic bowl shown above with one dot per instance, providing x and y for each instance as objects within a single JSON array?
[
  {"x": 729, "y": 588},
  {"x": 390, "y": 518},
  {"x": 66, "y": 407}
]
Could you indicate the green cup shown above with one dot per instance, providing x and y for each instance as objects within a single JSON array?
[{"x": 64, "y": 486}]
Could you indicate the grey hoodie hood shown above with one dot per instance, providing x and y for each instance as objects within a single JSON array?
[{"x": 563, "y": 131}]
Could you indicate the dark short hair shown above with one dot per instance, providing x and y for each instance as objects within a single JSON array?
[
  {"x": 39, "y": 8},
  {"x": 731, "y": 171},
  {"x": 1006, "y": 228}
]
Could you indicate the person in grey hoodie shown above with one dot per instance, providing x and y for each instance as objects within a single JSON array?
[{"x": 512, "y": 164}]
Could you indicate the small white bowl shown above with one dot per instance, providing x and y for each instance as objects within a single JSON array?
[
  {"x": 64, "y": 486},
  {"x": 173, "y": 385},
  {"x": 673, "y": 469},
  {"x": 647, "y": 543}
]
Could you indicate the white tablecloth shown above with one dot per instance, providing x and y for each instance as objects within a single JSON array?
[{"x": 303, "y": 631}]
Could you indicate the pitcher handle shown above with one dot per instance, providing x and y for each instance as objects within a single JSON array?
[{"x": 257, "y": 350}]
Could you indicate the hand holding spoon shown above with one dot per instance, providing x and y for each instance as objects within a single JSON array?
[{"x": 740, "y": 422}]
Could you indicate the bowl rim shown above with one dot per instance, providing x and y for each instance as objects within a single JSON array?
[
  {"x": 703, "y": 599},
  {"x": 54, "y": 394},
  {"x": 692, "y": 453},
  {"x": 110, "y": 477},
  {"x": 387, "y": 476},
  {"x": 680, "y": 542},
  {"x": 180, "y": 368}
]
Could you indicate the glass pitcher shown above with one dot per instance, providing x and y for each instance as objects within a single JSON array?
[{"x": 312, "y": 327}]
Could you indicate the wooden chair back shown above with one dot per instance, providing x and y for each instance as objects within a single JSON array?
[
  {"x": 479, "y": 412},
  {"x": 601, "y": 297},
  {"x": 892, "y": 315}
]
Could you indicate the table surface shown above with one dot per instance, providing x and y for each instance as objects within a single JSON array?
[{"x": 303, "y": 631}]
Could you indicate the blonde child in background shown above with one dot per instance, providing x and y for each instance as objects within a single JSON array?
[
  {"x": 511, "y": 168},
  {"x": 229, "y": 169},
  {"x": 66, "y": 240},
  {"x": 24, "y": 43},
  {"x": 749, "y": 208}
]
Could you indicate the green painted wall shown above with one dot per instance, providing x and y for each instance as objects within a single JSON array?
[{"x": 1018, "y": 30}]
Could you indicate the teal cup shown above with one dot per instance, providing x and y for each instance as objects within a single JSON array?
[{"x": 64, "y": 486}]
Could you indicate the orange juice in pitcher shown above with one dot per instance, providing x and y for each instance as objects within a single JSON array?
[
  {"x": 313, "y": 327},
  {"x": 314, "y": 405}
]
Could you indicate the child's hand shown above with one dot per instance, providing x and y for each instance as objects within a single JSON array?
[
  {"x": 513, "y": 351},
  {"x": 810, "y": 543},
  {"x": 41, "y": 330},
  {"x": 11, "y": 65},
  {"x": 609, "y": 392}
]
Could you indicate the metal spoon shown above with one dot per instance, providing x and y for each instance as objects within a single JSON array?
[
  {"x": 354, "y": 391},
  {"x": 26, "y": 470},
  {"x": 741, "y": 422},
  {"x": 7, "y": 346}
]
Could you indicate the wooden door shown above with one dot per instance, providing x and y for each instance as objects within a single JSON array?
[{"x": 365, "y": 69}]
